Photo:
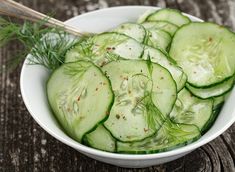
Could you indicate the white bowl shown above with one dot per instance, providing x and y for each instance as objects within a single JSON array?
[{"x": 33, "y": 84}]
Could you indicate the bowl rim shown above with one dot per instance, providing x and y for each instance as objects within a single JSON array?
[{"x": 85, "y": 149}]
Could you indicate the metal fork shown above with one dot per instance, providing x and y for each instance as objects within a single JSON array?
[{"x": 14, "y": 9}]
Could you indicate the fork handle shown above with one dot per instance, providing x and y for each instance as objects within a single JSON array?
[{"x": 14, "y": 9}]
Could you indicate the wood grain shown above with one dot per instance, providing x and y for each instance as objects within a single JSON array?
[{"x": 25, "y": 146}]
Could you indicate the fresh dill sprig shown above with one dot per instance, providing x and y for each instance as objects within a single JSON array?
[{"x": 46, "y": 45}]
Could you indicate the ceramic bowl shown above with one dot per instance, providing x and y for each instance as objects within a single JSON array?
[{"x": 33, "y": 88}]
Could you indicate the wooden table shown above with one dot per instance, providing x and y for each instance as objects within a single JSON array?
[{"x": 25, "y": 146}]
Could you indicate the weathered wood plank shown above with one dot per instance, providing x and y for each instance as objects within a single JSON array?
[{"x": 25, "y": 146}]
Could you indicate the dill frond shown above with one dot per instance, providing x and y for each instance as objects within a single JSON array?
[{"x": 46, "y": 45}]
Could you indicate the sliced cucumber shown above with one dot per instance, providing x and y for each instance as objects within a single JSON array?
[
  {"x": 81, "y": 51},
  {"x": 161, "y": 25},
  {"x": 191, "y": 110},
  {"x": 101, "y": 139},
  {"x": 219, "y": 100},
  {"x": 139, "y": 98},
  {"x": 209, "y": 92},
  {"x": 170, "y": 15},
  {"x": 205, "y": 52},
  {"x": 168, "y": 137},
  {"x": 144, "y": 16},
  {"x": 212, "y": 119},
  {"x": 164, "y": 89},
  {"x": 157, "y": 56},
  {"x": 80, "y": 96},
  {"x": 121, "y": 91},
  {"x": 106, "y": 47},
  {"x": 128, "y": 120},
  {"x": 158, "y": 39},
  {"x": 132, "y": 30}
]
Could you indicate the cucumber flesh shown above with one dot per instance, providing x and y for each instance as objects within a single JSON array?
[
  {"x": 170, "y": 15},
  {"x": 106, "y": 47},
  {"x": 141, "y": 101},
  {"x": 219, "y": 100},
  {"x": 214, "y": 91},
  {"x": 157, "y": 56},
  {"x": 132, "y": 30},
  {"x": 145, "y": 15},
  {"x": 73, "y": 102},
  {"x": 167, "y": 138},
  {"x": 158, "y": 39},
  {"x": 205, "y": 53},
  {"x": 81, "y": 51},
  {"x": 164, "y": 89},
  {"x": 191, "y": 110},
  {"x": 212, "y": 119},
  {"x": 101, "y": 139},
  {"x": 161, "y": 25}
]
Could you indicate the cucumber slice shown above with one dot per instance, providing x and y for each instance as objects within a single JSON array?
[
  {"x": 161, "y": 25},
  {"x": 212, "y": 119},
  {"x": 205, "y": 52},
  {"x": 81, "y": 51},
  {"x": 167, "y": 138},
  {"x": 157, "y": 56},
  {"x": 164, "y": 91},
  {"x": 170, "y": 15},
  {"x": 219, "y": 100},
  {"x": 139, "y": 98},
  {"x": 106, "y": 47},
  {"x": 218, "y": 103},
  {"x": 80, "y": 96},
  {"x": 132, "y": 30},
  {"x": 214, "y": 91},
  {"x": 191, "y": 110},
  {"x": 145, "y": 15},
  {"x": 101, "y": 139},
  {"x": 128, "y": 119},
  {"x": 158, "y": 39}
]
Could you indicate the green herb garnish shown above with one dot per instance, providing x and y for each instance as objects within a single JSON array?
[{"x": 46, "y": 45}]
